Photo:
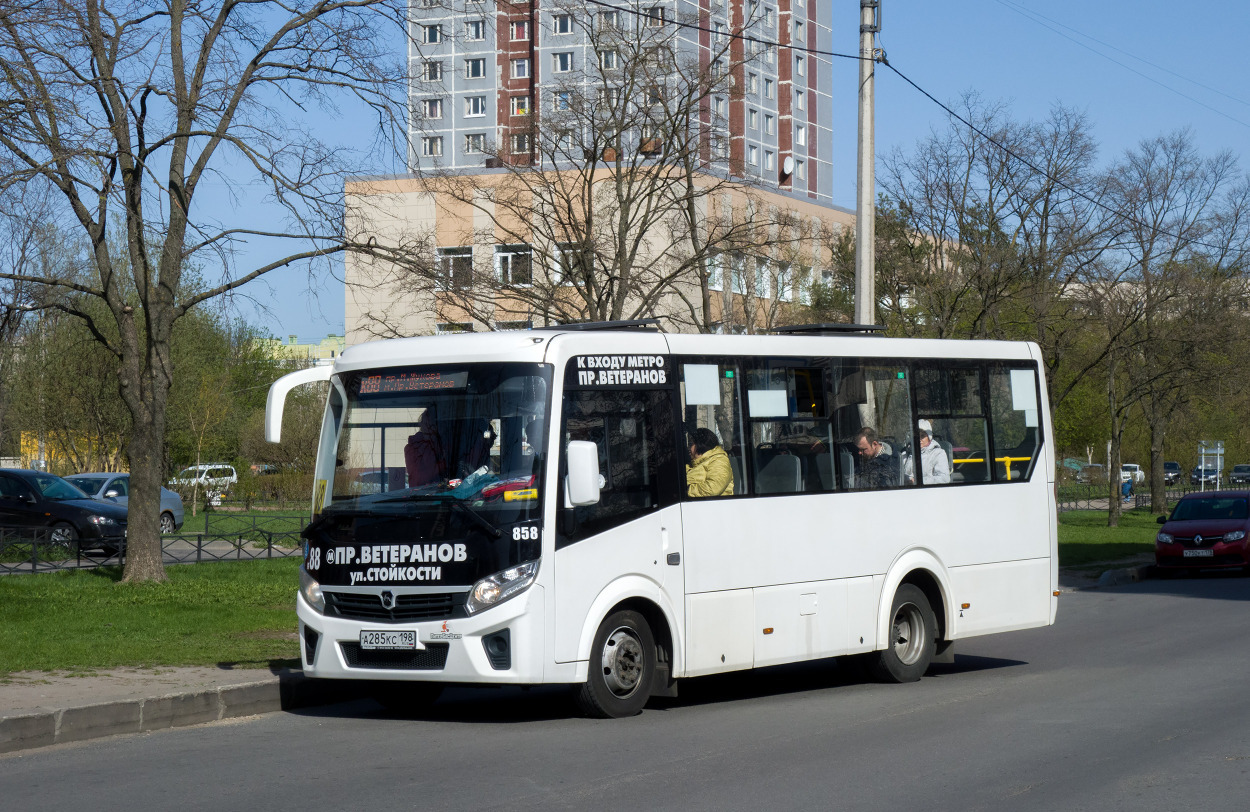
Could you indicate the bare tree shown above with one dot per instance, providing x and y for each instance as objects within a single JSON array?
[
  {"x": 128, "y": 109},
  {"x": 614, "y": 199},
  {"x": 1184, "y": 249}
]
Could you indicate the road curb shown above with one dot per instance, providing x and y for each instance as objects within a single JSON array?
[{"x": 62, "y": 725}]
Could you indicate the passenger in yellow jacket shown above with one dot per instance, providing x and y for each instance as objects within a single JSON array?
[{"x": 709, "y": 472}]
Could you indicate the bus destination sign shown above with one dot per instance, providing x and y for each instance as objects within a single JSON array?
[
  {"x": 618, "y": 372},
  {"x": 412, "y": 382}
]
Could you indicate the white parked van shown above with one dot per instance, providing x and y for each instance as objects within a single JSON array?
[{"x": 213, "y": 477}]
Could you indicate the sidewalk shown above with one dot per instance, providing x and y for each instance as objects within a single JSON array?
[{"x": 38, "y": 709}]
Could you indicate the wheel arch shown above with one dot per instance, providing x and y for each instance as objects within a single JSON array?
[
  {"x": 644, "y": 597},
  {"x": 922, "y": 569}
]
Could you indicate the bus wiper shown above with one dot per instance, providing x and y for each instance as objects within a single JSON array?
[
  {"x": 477, "y": 518},
  {"x": 474, "y": 516}
]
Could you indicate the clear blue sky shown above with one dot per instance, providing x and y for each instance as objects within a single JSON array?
[{"x": 1138, "y": 68}]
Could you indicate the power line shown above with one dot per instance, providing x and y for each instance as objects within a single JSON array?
[
  {"x": 1004, "y": 148},
  {"x": 1032, "y": 15}
]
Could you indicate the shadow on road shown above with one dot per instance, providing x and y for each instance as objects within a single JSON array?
[{"x": 540, "y": 703}]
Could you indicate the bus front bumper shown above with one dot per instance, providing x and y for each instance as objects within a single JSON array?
[{"x": 502, "y": 645}]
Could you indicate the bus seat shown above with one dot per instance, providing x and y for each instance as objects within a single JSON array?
[
  {"x": 736, "y": 467},
  {"x": 782, "y": 474},
  {"x": 847, "y": 460},
  {"x": 824, "y": 472}
]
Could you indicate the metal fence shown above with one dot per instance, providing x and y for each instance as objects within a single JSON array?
[
  {"x": 1098, "y": 497},
  {"x": 25, "y": 550}
]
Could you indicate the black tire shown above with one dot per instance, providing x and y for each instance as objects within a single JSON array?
[
  {"x": 168, "y": 525},
  {"x": 622, "y": 668},
  {"x": 913, "y": 636},
  {"x": 406, "y": 698}
]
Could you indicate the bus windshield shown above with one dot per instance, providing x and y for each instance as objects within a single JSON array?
[{"x": 410, "y": 437}]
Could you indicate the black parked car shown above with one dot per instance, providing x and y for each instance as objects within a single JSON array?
[
  {"x": 1171, "y": 473},
  {"x": 33, "y": 499},
  {"x": 1240, "y": 475}
]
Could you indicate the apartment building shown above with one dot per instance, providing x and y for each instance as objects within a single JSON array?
[{"x": 487, "y": 74}]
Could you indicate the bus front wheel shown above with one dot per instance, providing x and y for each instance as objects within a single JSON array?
[
  {"x": 622, "y": 665},
  {"x": 913, "y": 632}
]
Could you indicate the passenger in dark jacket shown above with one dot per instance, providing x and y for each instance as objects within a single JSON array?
[{"x": 877, "y": 468}]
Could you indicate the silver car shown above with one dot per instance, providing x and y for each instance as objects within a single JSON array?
[{"x": 116, "y": 488}]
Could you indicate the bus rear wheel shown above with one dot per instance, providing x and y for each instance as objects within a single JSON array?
[
  {"x": 913, "y": 635},
  {"x": 622, "y": 666}
]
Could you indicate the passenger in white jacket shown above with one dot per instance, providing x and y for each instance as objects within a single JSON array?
[{"x": 935, "y": 467}]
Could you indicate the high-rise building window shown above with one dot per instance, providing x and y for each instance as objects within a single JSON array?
[
  {"x": 800, "y": 135},
  {"x": 609, "y": 20},
  {"x": 474, "y": 68},
  {"x": 520, "y": 30},
  {"x": 474, "y": 106},
  {"x": 432, "y": 146},
  {"x": 562, "y": 24},
  {"x": 475, "y": 143},
  {"x": 520, "y": 105},
  {"x": 520, "y": 69},
  {"x": 432, "y": 108},
  {"x": 753, "y": 119},
  {"x": 562, "y": 100},
  {"x": 800, "y": 100},
  {"x": 769, "y": 160},
  {"x": 768, "y": 88},
  {"x": 431, "y": 34},
  {"x": 799, "y": 31},
  {"x": 753, "y": 83},
  {"x": 770, "y": 124},
  {"x": 521, "y": 144},
  {"x": 800, "y": 66},
  {"x": 562, "y": 62},
  {"x": 655, "y": 17},
  {"x": 609, "y": 60},
  {"x": 432, "y": 71},
  {"x": 475, "y": 30},
  {"x": 753, "y": 155},
  {"x": 800, "y": 169}
]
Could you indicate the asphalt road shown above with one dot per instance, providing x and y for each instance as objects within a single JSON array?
[{"x": 1138, "y": 699}]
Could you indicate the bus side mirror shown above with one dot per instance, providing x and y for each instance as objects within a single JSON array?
[{"x": 581, "y": 484}]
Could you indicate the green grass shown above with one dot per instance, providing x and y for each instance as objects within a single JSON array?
[
  {"x": 238, "y": 613},
  {"x": 1085, "y": 539}
]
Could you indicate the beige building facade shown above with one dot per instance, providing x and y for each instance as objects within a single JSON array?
[{"x": 483, "y": 251}]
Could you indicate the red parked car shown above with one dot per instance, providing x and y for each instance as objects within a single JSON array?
[{"x": 1205, "y": 531}]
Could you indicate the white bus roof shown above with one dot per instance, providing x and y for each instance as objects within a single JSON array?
[{"x": 531, "y": 346}]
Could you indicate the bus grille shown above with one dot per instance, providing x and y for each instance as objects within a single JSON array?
[
  {"x": 432, "y": 658},
  {"x": 363, "y": 606}
]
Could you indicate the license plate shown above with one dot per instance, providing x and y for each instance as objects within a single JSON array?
[
  {"x": 1199, "y": 553},
  {"x": 387, "y": 640}
]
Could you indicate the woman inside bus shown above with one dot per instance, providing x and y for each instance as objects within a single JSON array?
[
  {"x": 934, "y": 466},
  {"x": 709, "y": 472},
  {"x": 424, "y": 456}
]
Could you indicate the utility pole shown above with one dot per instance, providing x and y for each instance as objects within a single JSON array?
[{"x": 865, "y": 205}]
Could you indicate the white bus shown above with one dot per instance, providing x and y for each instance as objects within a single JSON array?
[{"x": 455, "y": 539}]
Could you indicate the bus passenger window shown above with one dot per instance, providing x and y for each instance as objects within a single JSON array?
[
  {"x": 1014, "y": 410},
  {"x": 948, "y": 399},
  {"x": 711, "y": 400},
  {"x": 872, "y": 423}
]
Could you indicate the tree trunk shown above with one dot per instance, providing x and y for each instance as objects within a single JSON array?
[
  {"x": 1158, "y": 490},
  {"x": 144, "y": 556}
]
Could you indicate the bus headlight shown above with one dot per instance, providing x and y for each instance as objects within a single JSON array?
[
  {"x": 1164, "y": 538},
  {"x": 499, "y": 587},
  {"x": 311, "y": 590}
]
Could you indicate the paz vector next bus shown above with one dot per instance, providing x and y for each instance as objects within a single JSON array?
[{"x": 514, "y": 507}]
